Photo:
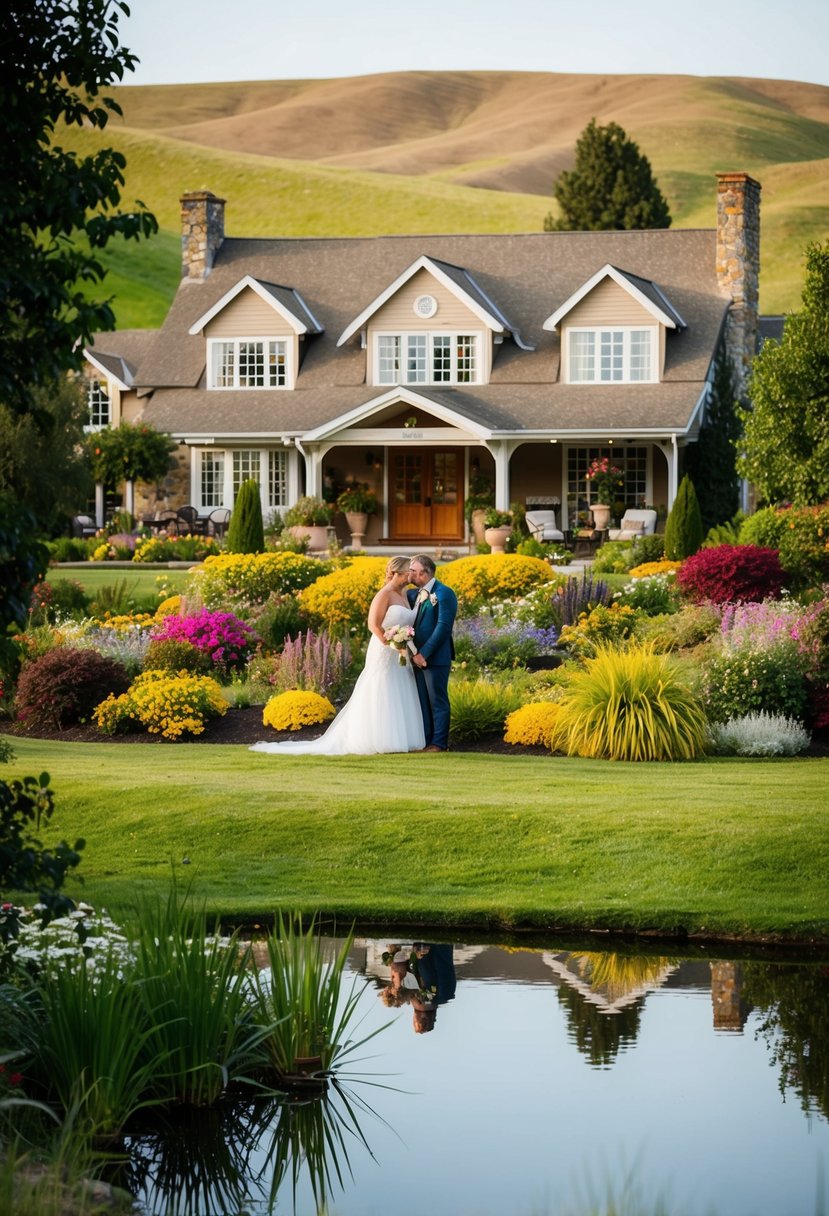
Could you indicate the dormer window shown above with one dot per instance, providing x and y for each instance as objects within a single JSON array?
[
  {"x": 427, "y": 358},
  {"x": 245, "y": 363},
  {"x": 611, "y": 356},
  {"x": 100, "y": 407}
]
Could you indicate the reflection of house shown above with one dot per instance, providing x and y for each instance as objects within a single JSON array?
[
  {"x": 414, "y": 362},
  {"x": 612, "y": 988}
]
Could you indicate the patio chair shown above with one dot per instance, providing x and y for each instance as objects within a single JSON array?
[
  {"x": 187, "y": 518},
  {"x": 542, "y": 525},
  {"x": 83, "y": 526},
  {"x": 635, "y": 522},
  {"x": 217, "y": 522}
]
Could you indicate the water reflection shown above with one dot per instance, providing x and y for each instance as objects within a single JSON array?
[{"x": 677, "y": 1054}]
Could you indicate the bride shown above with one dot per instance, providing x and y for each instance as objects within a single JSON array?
[{"x": 383, "y": 713}]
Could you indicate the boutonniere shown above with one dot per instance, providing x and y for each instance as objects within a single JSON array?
[
  {"x": 422, "y": 596},
  {"x": 433, "y": 600}
]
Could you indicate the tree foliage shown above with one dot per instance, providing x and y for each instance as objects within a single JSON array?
[
  {"x": 129, "y": 453},
  {"x": 41, "y": 454},
  {"x": 246, "y": 533},
  {"x": 23, "y": 560},
  {"x": 610, "y": 187},
  {"x": 56, "y": 57},
  {"x": 684, "y": 532},
  {"x": 712, "y": 461},
  {"x": 786, "y": 428}
]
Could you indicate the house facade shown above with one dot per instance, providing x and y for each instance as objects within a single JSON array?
[{"x": 423, "y": 364}]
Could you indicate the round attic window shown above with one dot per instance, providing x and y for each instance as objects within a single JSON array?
[{"x": 425, "y": 306}]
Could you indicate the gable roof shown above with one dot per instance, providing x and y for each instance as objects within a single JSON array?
[
  {"x": 285, "y": 301},
  {"x": 456, "y": 279},
  {"x": 645, "y": 291}
]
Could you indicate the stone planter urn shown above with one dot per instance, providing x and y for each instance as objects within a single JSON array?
[
  {"x": 357, "y": 523},
  {"x": 496, "y": 538},
  {"x": 601, "y": 515},
  {"x": 317, "y": 535}
]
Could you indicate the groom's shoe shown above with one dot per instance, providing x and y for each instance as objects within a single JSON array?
[{"x": 433, "y": 747}]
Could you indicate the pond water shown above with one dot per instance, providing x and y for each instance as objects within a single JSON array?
[{"x": 539, "y": 1083}]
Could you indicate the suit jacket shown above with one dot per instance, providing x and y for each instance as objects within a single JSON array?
[{"x": 433, "y": 625}]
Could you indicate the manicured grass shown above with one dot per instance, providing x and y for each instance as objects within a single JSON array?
[
  {"x": 140, "y": 581},
  {"x": 715, "y": 848}
]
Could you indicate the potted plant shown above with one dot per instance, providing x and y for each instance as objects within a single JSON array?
[
  {"x": 606, "y": 478},
  {"x": 310, "y": 517},
  {"x": 480, "y": 499},
  {"x": 497, "y": 527},
  {"x": 357, "y": 502}
]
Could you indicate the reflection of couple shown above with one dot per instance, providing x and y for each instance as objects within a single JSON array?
[
  {"x": 422, "y": 977},
  {"x": 396, "y": 708}
]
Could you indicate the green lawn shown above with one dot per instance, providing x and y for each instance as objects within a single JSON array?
[
  {"x": 719, "y": 848},
  {"x": 139, "y": 580}
]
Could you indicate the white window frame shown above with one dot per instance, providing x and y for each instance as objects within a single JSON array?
[
  {"x": 273, "y": 467},
  {"x": 626, "y": 335},
  {"x": 282, "y": 347},
  {"x": 412, "y": 359},
  {"x": 97, "y": 391},
  {"x": 577, "y": 489}
]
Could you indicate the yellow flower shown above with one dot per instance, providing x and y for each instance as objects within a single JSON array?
[{"x": 295, "y": 709}]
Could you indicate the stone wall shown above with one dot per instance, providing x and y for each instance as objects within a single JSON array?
[
  {"x": 202, "y": 232},
  {"x": 738, "y": 265}
]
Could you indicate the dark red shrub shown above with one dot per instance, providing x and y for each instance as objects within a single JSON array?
[
  {"x": 64, "y": 686},
  {"x": 732, "y": 574},
  {"x": 819, "y": 702}
]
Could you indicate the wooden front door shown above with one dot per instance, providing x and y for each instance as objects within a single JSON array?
[{"x": 427, "y": 493}]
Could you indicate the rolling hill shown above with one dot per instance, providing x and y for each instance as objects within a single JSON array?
[{"x": 454, "y": 152}]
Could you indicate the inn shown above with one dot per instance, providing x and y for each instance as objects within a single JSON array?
[{"x": 423, "y": 364}]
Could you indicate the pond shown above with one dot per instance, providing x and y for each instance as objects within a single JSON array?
[{"x": 536, "y": 1082}]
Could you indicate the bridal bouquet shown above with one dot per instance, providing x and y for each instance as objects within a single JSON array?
[{"x": 397, "y": 637}]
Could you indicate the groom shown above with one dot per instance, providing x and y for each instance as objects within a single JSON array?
[{"x": 433, "y": 649}]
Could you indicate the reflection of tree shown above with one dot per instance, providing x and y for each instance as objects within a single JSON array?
[
  {"x": 599, "y": 1035},
  {"x": 618, "y": 975},
  {"x": 795, "y": 1024}
]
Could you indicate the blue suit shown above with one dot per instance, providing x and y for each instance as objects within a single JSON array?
[{"x": 433, "y": 639}]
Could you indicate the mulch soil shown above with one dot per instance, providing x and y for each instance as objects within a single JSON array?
[
  {"x": 238, "y": 726},
  {"x": 244, "y": 726}
]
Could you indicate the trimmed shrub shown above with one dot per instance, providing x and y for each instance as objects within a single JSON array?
[
  {"x": 759, "y": 734},
  {"x": 532, "y": 725},
  {"x": 68, "y": 549},
  {"x": 480, "y": 708},
  {"x": 175, "y": 549},
  {"x": 732, "y": 573},
  {"x": 297, "y": 708},
  {"x": 64, "y": 686},
  {"x": 739, "y": 682},
  {"x": 650, "y": 548},
  {"x": 493, "y": 575},
  {"x": 278, "y": 619},
  {"x": 654, "y": 594},
  {"x": 236, "y": 578},
  {"x": 339, "y": 602},
  {"x": 800, "y": 534},
  {"x": 167, "y": 705},
  {"x": 170, "y": 654},
  {"x": 684, "y": 532},
  {"x": 246, "y": 532},
  {"x": 630, "y": 705},
  {"x": 614, "y": 557}
]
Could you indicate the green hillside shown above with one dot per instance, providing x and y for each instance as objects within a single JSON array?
[{"x": 453, "y": 152}]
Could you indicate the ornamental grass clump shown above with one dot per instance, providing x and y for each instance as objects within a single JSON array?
[
  {"x": 480, "y": 708},
  {"x": 760, "y": 734},
  {"x": 532, "y": 725},
  {"x": 227, "y": 641},
  {"x": 164, "y": 704},
  {"x": 630, "y": 704},
  {"x": 297, "y": 708}
]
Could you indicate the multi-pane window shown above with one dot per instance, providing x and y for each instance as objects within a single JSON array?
[
  {"x": 249, "y": 363},
  {"x": 608, "y": 356},
  {"x": 277, "y": 478},
  {"x": 429, "y": 358},
  {"x": 212, "y": 479},
  {"x": 100, "y": 409},
  {"x": 631, "y": 460},
  {"x": 245, "y": 468}
]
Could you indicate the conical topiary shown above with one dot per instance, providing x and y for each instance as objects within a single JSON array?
[
  {"x": 684, "y": 531},
  {"x": 246, "y": 533}
]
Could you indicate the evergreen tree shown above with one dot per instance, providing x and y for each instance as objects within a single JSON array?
[
  {"x": 246, "y": 533},
  {"x": 712, "y": 462},
  {"x": 785, "y": 449},
  {"x": 610, "y": 187},
  {"x": 684, "y": 531}
]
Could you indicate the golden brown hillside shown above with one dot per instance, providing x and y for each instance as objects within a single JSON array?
[{"x": 502, "y": 130}]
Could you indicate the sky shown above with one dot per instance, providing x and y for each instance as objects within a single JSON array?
[{"x": 193, "y": 41}]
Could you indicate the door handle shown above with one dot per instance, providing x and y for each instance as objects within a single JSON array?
[{"x": 427, "y": 502}]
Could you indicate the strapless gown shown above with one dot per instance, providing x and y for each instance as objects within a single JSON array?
[{"x": 383, "y": 712}]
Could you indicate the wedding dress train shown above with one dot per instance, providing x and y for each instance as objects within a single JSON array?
[{"x": 383, "y": 712}]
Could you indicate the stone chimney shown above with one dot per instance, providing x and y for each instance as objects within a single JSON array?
[
  {"x": 202, "y": 232},
  {"x": 738, "y": 265}
]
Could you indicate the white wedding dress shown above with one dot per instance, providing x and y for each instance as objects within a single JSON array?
[{"x": 383, "y": 712}]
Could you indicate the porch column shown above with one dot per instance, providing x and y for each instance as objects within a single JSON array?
[
  {"x": 673, "y": 472},
  {"x": 501, "y": 453},
  {"x": 313, "y": 469},
  {"x": 99, "y": 504},
  {"x": 129, "y": 496}
]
